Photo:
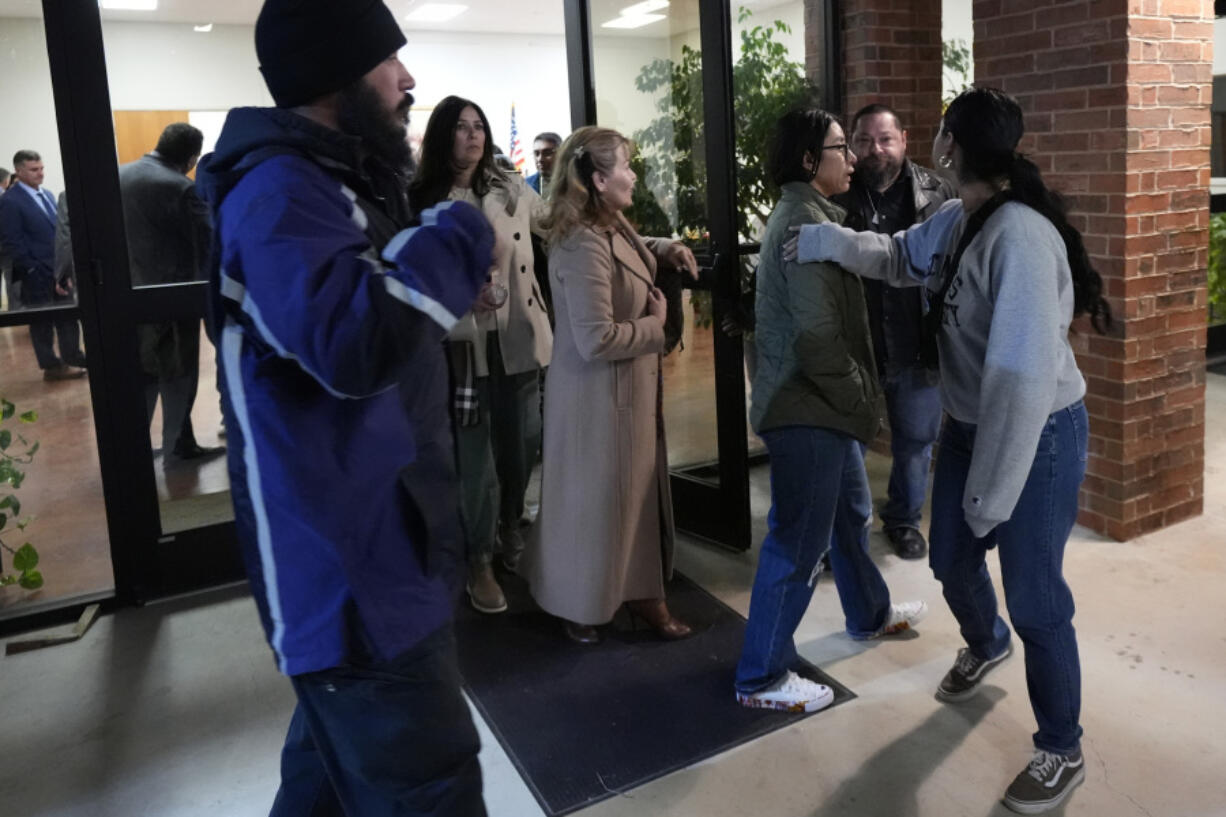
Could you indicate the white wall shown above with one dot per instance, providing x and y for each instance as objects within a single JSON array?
[
  {"x": 166, "y": 66},
  {"x": 493, "y": 70},
  {"x": 957, "y": 23},
  {"x": 1219, "y": 46},
  {"x": 28, "y": 118}
]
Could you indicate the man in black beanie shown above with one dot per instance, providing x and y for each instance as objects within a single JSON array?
[{"x": 330, "y": 312}]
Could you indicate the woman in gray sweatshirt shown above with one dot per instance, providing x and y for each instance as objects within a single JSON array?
[{"x": 1005, "y": 274}]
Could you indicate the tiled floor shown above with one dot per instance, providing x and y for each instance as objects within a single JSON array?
[{"x": 176, "y": 709}]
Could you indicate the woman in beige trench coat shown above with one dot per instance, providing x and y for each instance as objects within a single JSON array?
[{"x": 604, "y": 535}]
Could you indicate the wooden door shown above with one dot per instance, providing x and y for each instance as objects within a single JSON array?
[{"x": 137, "y": 132}]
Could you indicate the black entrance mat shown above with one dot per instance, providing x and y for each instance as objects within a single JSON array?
[{"x": 585, "y": 723}]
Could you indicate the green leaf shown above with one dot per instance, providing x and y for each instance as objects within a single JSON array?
[
  {"x": 31, "y": 580},
  {"x": 4, "y": 520},
  {"x": 26, "y": 558},
  {"x": 7, "y": 579},
  {"x": 24, "y": 523},
  {"x": 33, "y": 449},
  {"x": 13, "y": 502},
  {"x": 29, "y": 417},
  {"x": 6, "y": 439},
  {"x": 7, "y": 409}
]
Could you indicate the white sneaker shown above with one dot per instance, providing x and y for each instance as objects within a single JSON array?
[
  {"x": 902, "y": 617},
  {"x": 791, "y": 693}
]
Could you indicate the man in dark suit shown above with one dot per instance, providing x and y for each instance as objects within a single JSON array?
[
  {"x": 27, "y": 230},
  {"x": 544, "y": 151},
  {"x": 169, "y": 235}
]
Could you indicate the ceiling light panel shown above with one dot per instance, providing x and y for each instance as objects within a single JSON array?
[{"x": 637, "y": 21}]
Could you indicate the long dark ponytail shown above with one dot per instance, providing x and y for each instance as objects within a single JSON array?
[{"x": 987, "y": 124}]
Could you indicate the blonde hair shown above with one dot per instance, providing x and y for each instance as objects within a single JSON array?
[{"x": 574, "y": 199}]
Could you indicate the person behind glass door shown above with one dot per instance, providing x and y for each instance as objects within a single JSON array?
[
  {"x": 28, "y": 218},
  {"x": 544, "y": 152},
  {"x": 816, "y": 404},
  {"x": 1009, "y": 274},
  {"x": 169, "y": 235},
  {"x": 496, "y": 355},
  {"x": 889, "y": 193},
  {"x": 331, "y": 311},
  {"x": 604, "y": 535}
]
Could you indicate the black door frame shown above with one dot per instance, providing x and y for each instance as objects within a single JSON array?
[
  {"x": 716, "y": 510},
  {"x": 147, "y": 565}
]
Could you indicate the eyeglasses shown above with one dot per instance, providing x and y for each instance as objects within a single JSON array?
[
  {"x": 843, "y": 146},
  {"x": 867, "y": 142}
]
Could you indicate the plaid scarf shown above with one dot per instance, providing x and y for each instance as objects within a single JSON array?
[{"x": 463, "y": 364}]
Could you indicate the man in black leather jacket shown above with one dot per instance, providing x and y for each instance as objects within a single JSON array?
[{"x": 890, "y": 193}]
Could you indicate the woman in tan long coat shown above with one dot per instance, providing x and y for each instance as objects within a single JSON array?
[{"x": 604, "y": 535}]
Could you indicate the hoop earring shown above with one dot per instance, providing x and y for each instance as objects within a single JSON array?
[{"x": 945, "y": 162}]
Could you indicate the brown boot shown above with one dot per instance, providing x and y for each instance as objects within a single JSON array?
[
  {"x": 483, "y": 590},
  {"x": 654, "y": 612}
]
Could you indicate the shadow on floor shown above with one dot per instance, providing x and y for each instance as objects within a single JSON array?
[{"x": 888, "y": 783}]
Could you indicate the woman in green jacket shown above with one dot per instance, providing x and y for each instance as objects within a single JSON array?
[{"x": 816, "y": 403}]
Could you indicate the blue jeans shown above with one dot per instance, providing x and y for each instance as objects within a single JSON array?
[
  {"x": 819, "y": 495},
  {"x": 383, "y": 738},
  {"x": 1031, "y": 545},
  {"x": 914, "y": 408}
]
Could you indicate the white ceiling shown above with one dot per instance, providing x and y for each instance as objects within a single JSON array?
[{"x": 489, "y": 16}]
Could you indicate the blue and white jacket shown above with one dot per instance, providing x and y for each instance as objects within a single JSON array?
[{"x": 330, "y": 319}]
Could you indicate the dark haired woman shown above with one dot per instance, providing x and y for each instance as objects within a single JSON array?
[
  {"x": 1008, "y": 275},
  {"x": 816, "y": 403},
  {"x": 604, "y": 536},
  {"x": 496, "y": 355}
]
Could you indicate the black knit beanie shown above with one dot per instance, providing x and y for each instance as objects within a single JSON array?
[{"x": 310, "y": 48}]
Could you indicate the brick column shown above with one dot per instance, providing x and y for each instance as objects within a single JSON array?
[
  {"x": 1117, "y": 96},
  {"x": 892, "y": 54}
]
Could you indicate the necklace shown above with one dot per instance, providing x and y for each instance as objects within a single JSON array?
[{"x": 868, "y": 194}]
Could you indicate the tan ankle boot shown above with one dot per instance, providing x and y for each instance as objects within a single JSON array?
[{"x": 483, "y": 590}]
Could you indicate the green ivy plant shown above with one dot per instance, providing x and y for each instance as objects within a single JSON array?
[
  {"x": 671, "y": 151},
  {"x": 1217, "y": 268},
  {"x": 16, "y": 452}
]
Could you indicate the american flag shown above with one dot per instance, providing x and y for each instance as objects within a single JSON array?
[{"x": 517, "y": 149}]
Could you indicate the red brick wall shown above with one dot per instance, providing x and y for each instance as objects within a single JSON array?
[
  {"x": 891, "y": 54},
  {"x": 1117, "y": 95}
]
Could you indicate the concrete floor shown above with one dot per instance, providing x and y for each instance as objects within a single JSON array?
[{"x": 177, "y": 710}]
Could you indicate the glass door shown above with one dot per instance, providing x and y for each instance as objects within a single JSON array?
[
  {"x": 168, "y": 511},
  {"x": 661, "y": 74},
  {"x": 51, "y": 486}
]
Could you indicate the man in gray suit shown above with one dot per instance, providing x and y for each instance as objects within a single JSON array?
[{"x": 169, "y": 238}]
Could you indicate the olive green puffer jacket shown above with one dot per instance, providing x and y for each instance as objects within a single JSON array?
[{"x": 815, "y": 354}]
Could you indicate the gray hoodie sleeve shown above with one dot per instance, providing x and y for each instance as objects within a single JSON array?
[
  {"x": 901, "y": 260},
  {"x": 1020, "y": 372}
]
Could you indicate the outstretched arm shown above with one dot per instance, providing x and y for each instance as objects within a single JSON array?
[{"x": 903, "y": 259}]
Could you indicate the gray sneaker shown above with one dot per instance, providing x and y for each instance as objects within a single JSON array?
[
  {"x": 963, "y": 678},
  {"x": 1046, "y": 782}
]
